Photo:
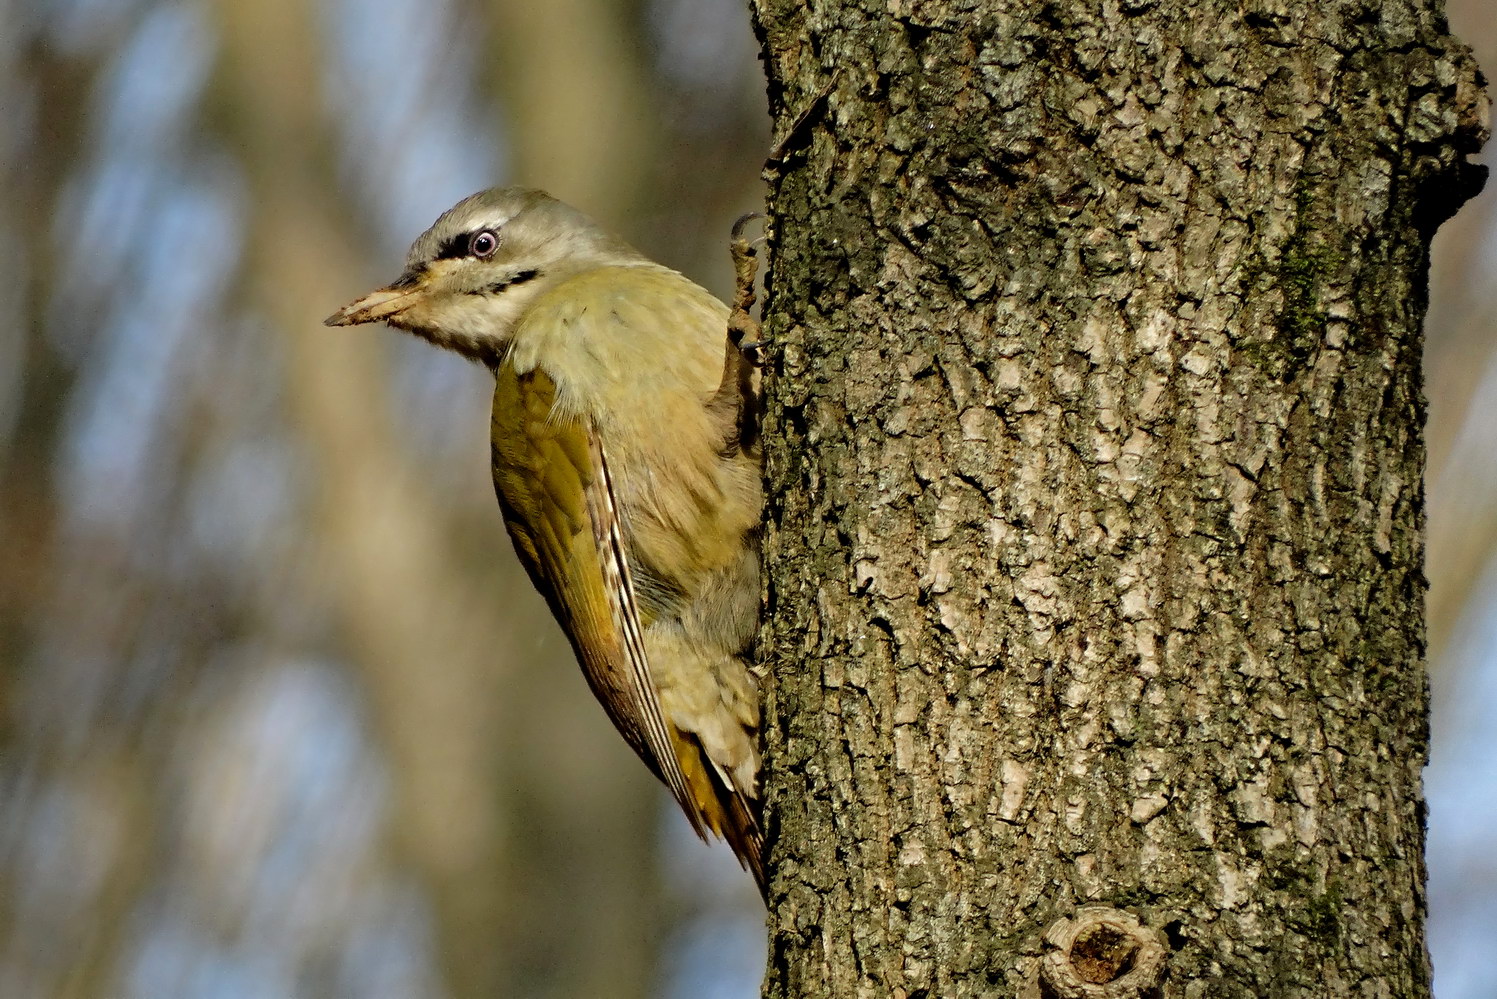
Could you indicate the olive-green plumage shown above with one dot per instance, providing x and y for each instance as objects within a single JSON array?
[{"x": 619, "y": 472}]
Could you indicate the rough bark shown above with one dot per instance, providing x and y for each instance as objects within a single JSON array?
[{"x": 1095, "y": 513}]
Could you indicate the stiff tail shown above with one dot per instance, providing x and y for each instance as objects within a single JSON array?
[{"x": 722, "y": 808}]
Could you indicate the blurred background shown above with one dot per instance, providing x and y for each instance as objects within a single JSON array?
[{"x": 279, "y": 714}]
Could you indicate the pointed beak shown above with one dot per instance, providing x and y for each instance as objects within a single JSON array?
[{"x": 380, "y": 304}]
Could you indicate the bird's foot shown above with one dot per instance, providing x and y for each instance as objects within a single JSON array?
[
  {"x": 740, "y": 384},
  {"x": 743, "y": 328}
]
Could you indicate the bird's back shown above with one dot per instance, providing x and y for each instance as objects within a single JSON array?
[{"x": 688, "y": 503}]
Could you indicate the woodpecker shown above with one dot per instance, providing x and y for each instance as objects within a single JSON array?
[{"x": 627, "y": 471}]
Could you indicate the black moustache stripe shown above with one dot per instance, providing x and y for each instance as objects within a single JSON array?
[{"x": 518, "y": 277}]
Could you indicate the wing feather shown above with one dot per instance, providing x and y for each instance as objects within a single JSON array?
[
  {"x": 552, "y": 479},
  {"x": 619, "y": 585}
]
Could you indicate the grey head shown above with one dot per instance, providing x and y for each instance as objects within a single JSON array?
[{"x": 470, "y": 277}]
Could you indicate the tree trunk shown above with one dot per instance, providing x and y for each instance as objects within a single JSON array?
[{"x": 1095, "y": 513}]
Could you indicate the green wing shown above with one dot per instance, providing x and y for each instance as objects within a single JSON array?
[{"x": 552, "y": 479}]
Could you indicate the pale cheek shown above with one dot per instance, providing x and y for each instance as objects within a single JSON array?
[
  {"x": 463, "y": 318},
  {"x": 491, "y": 316},
  {"x": 470, "y": 316}
]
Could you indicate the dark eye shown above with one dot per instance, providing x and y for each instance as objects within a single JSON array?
[{"x": 483, "y": 244}]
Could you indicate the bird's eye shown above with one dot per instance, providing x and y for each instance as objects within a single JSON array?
[{"x": 483, "y": 244}]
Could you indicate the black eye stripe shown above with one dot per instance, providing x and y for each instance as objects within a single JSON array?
[
  {"x": 453, "y": 247},
  {"x": 457, "y": 245}
]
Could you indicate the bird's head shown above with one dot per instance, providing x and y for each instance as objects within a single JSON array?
[{"x": 471, "y": 276}]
